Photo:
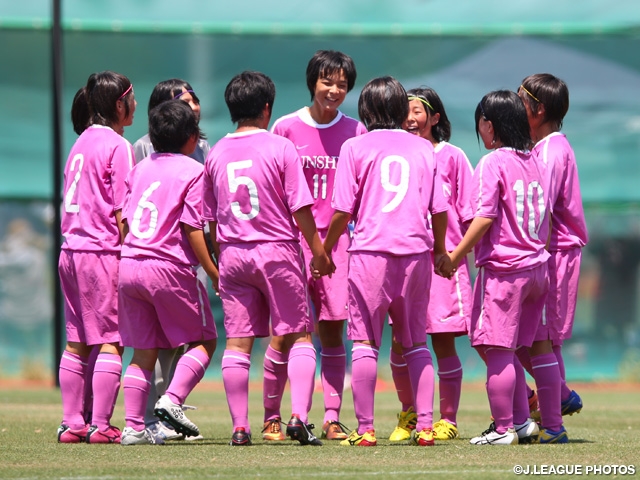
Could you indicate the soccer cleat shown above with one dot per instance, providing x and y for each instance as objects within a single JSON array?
[
  {"x": 69, "y": 435},
  {"x": 423, "y": 438},
  {"x": 163, "y": 432},
  {"x": 110, "y": 435},
  {"x": 527, "y": 431},
  {"x": 334, "y": 431},
  {"x": 298, "y": 430},
  {"x": 130, "y": 436},
  {"x": 572, "y": 405},
  {"x": 272, "y": 431},
  {"x": 240, "y": 438},
  {"x": 367, "y": 439},
  {"x": 550, "y": 436},
  {"x": 406, "y": 424},
  {"x": 491, "y": 437},
  {"x": 443, "y": 430},
  {"x": 173, "y": 414}
]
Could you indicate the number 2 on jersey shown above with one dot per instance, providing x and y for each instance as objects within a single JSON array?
[{"x": 70, "y": 207}]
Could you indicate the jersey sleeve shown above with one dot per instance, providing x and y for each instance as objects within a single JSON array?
[
  {"x": 209, "y": 200},
  {"x": 345, "y": 187},
  {"x": 192, "y": 206},
  {"x": 295, "y": 185},
  {"x": 485, "y": 196},
  {"x": 122, "y": 161}
]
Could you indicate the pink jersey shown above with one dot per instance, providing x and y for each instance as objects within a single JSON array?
[
  {"x": 569, "y": 228},
  {"x": 457, "y": 180},
  {"x": 163, "y": 191},
  {"x": 94, "y": 189},
  {"x": 511, "y": 188},
  {"x": 253, "y": 182},
  {"x": 318, "y": 146},
  {"x": 387, "y": 180}
]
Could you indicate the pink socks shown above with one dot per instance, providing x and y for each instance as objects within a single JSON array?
[
  {"x": 450, "y": 383},
  {"x": 235, "y": 376},
  {"x": 333, "y": 365},
  {"x": 72, "y": 373},
  {"x": 275, "y": 379},
  {"x": 420, "y": 368},
  {"x": 106, "y": 383},
  {"x": 135, "y": 385},
  {"x": 401, "y": 380},
  {"x": 302, "y": 373},
  {"x": 501, "y": 384},
  {"x": 189, "y": 371},
  {"x": 364, "y": 372}
]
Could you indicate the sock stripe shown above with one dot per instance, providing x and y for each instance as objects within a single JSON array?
[
  {"x": 303, "y": 345},
  {"x": 364, "y": 347},
  {"x": 440, "y": 372},
  {"x": 544, "y": 365},
  {"x": 136, "y": 377},
  {"x": 75, "y": 359},
  {"x": 240, "y": 358},
  {"x": 275, "y": 361},
  {"x": 397, "y": 364},
  {"x": 335, "y": 356},
  {"x": 115, "y": 362},
  {"x": 193, "y": 357}
]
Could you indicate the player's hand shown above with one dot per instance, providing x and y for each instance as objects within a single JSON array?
[
  {"x": 443, "y": 265},
  {"x": 322, "y": 265}
]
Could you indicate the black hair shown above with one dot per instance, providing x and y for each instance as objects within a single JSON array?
[
  {"x": 383, "y": 104},
  {"x": 326, "y": 63},
  {"x": 80, "y": 113},
  {"x": 247, "y": 94},
  {"x": 168, "y": 90},
  {"x": 441, "y": 131},
  {"x": 549, "y": 91},
  {"x": 508, "y": 116},
  {"x": 171, "y": 125},
  {"x": 103, "y": 90}
]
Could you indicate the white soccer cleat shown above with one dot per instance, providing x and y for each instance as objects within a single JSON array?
[{"x": 173, "y": 414}]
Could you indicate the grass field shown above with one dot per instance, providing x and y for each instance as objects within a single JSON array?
[{"x": 606, "y": 432}]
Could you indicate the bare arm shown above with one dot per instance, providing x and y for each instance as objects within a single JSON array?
[
  {"x": 195, "y": 236},
  {"x": 213, "y": 236},
  {"x": 478, "y": 227},
  {"x": 307, "y": 225},
  {"x": 338, "y": 224},
  {"x": 123, "y": 227},
  {"x": 439, "y": 222}
]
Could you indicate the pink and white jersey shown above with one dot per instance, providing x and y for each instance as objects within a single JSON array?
[
  {"x": 387, "y": 180},
  {"x": 511, "y": 187},
  {"x": 318, "y": 146},
  {"x": 456, "y": 173},
  {"x": 163, "y": 191},
  {"x": 253, "y": 182},
  {"x": 569, "y": 228},
  {"x": 94, "y": 190}
]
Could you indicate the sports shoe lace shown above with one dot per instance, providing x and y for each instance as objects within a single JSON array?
[
  {"x": 273, "y": 426},
  {"x": 492, "y": 428},
  {"x": 341, "y": 426}
]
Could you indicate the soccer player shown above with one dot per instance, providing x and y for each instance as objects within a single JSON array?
[
  {"x": 318, "y": 132},
  {"x": 162, "y": 303},
  {"x": 257, "y": 202},
  {"x": 94, "y": 190},
  {"x": 449, "y": 308},
  {"x": 509, "y": 232},
  {"x": 384, "y": 178},
  {"x": 164, "y": 91},
  {"x": 546, "y": 99}
]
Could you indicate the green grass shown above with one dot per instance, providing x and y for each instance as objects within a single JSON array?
[{"x": 607, "y": 432}]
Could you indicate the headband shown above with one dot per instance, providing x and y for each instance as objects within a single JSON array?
[
  {"x": 530, "y": 94},
  {"x": 182, "y": 93},
  {"x": 413, "y": 97},
  {"x": 126, "y": 91}
]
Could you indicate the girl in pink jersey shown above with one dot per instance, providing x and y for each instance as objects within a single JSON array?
[
  {"x": 318, "y": 132},
  {"x": 172, "y": 89},
  {"x": 388, "y": 177},
  {"x": 163, "y": 305},
  {"x": 450, "y": 300},
  {"x": 257, "y": 202},
  {"x": 546, "y": 99},
  {"x": 94, "y": 192},
  {"x": 509, "y": 231}
]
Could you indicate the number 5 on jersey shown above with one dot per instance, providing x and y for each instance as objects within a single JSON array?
[{"x": 234, "y": 183}]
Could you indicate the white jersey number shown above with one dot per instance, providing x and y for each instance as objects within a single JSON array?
[
  {"x": 70, "y": 207},
  {"x": 235, "y": 182},
  {"x": 316, "y": 186},
  {"x": 534, "y": 186},
  {"x": 145, "y": 204},
  {"x": 400, "y": 189}
]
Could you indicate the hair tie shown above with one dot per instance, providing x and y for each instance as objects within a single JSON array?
[{"x": 530, "y": 94}]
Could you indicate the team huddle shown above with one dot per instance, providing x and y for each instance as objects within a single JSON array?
[{"x": 321, "y": 221}]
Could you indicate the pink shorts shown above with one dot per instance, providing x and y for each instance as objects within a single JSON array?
[
  {"x": 381, "y": 284},
  {"x": 560, "y": 309},
  {"x": 330, "y": 296},
  {"x": 162, "y": 305},
  {"x": 507, "y": 306},
  {"x": 450, "y": 302},
  {"x": 89, "y": 282},
  {"x": 262, "y": 281}
]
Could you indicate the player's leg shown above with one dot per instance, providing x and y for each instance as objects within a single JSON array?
[
  {"x": 449, "y": 383},
  {"x": 276, "y": 359},
  {"x": 333, "y": 366},
  {"x": 407, "y": 417}
]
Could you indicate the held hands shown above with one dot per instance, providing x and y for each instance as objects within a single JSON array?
[
  {"x": 443, "y": 265},
  {"x": 321, "y": 265}
]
